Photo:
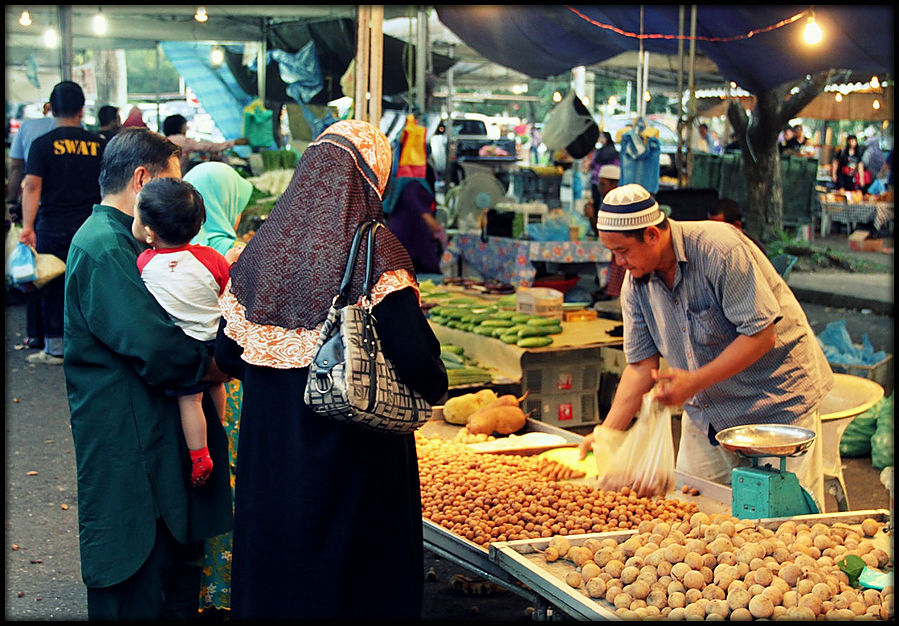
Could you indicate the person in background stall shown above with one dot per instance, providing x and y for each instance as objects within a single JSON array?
[
  {"x": 606, "y": 154},
  {"x": 795, "y": 144},
  {"x": 30, "y": 130},
  {"x": 311, "y": 492},
  {"x": 174, "y": 127},
  {"x": 109, "y": 120},
  {"x": 536, "y": 140},
  {"x": 844, "y": 167},
  {"x": 727, "y": 210},
  {"x": 700, "y": 140},
  {"x": 61, "y": 186},
  {"x": 412, "y": 221},
  {"x": 739, "y": 347},
  {"x": 873, "y": 158},
  {"x": 786, "y": 138}
]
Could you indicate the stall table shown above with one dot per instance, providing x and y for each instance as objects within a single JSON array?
[
  {"x": 852, "y": 214},
  {"x": 511, "y": 260}
]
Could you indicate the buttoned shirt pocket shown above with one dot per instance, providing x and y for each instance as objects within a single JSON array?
[{"x": 709, "y": 327}]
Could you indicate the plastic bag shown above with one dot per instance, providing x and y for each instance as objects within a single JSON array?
[
  {"x": 21, "y": 267},
  {"x": 644, "y": 461},
  {"x": 882, "y": 440},
  {"x": 48, "y": 267},
  {"x": 838, "y": 347}
]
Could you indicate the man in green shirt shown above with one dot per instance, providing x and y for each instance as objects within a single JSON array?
[{"x": 141, "y": 525}]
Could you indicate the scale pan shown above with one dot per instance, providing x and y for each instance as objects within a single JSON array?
[{"x": 758, "y": 440}]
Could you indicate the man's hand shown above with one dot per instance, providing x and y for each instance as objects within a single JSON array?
[
  {"x": 27, "y": 236},
  {"x": 674, "y": 386},
  {"x": 585, "y": 447},
  {"x": 241, "y": 141}
]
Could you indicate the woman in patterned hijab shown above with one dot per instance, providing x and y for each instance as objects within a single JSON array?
[{"x": 313, "y": 496}]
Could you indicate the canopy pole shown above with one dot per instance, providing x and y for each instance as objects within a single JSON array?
[
  {"x": 159, "y": 127},
  {"x": 420, "y": 55},
  {"x": 639, "y": 103},
  {"x": 368, "y": 87},
  {"x": 680, "y": 161},
  {"x": 64, "y": 13},
  {"x": 448, "y": 131},
  {"x": 261, "y": 65},
  {"x": 692, "y": 115}
]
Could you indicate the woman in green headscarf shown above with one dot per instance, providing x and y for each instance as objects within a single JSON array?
[{"x": 226, "y": 195}]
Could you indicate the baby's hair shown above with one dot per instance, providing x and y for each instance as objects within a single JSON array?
[{"x": 173, "y": 208}]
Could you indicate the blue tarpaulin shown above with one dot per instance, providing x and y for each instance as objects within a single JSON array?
[
  {"x": 544, "y": 41},
  {"x": 216, "y": 89}
]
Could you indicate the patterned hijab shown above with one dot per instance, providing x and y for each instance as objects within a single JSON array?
[
  {"x": 225, "y": 194},
  {"x": 292, "y": 267}
]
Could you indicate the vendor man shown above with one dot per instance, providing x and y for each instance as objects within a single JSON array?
[{"x": 702, "y": 296}]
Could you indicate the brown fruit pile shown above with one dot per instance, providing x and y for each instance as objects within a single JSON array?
[
  {"x": 720, "y": 567},
  {"x": 503, "y": 497}
]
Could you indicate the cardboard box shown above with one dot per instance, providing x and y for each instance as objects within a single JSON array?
[{"x": 861, "y": 241}]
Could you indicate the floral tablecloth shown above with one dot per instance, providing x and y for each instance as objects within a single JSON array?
[{"x": 511, "y": 260}]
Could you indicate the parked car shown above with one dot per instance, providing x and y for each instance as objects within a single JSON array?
[{"x": 473, "y": 140}]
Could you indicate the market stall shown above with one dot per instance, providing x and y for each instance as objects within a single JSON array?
[
  {"x": 677, "y": 556},
  {"x": 512, "y": 260}
]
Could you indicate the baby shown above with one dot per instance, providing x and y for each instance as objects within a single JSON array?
[{"x": 186, "y": 280}]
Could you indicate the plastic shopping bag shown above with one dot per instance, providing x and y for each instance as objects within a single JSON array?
[
  {"x": 47, "y": 267},
  {"x": 644, "y": 461},
  {"x": 21, "y": 267}
]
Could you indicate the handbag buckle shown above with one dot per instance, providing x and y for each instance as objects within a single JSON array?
[{"x": 323, "y": 382}]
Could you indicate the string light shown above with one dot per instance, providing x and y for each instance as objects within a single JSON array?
[
  {"x": 838, "y": 97},
  {"x": 874, "y": 82},
  {"x": 557, "y": 97},
  {"x": 876, "y": 104},
  {"x": 200, "y": 15},
  {"x": 812, "y": 33},
  {"x": 25, "y": 18},
  {"x": 751, "y": 33},
  {"x": 99, "y": 22}
]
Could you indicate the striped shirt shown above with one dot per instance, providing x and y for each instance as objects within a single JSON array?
[{"x": 723, "y": 286}]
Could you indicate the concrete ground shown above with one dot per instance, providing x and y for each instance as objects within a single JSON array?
[{"x": 42, "y": 560}]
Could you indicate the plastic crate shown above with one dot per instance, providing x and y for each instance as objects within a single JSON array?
[
  {"x": 563, "y": 409},
  {"x": 539, "y": 301},
  {"x": 881, "y": 373},
  {"x": 561, "y": 372}
]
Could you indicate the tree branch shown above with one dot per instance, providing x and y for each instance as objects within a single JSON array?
[{"x": 808, "y": 91}]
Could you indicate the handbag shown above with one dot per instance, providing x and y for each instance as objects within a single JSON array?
[{"x": 350, "y": 378}]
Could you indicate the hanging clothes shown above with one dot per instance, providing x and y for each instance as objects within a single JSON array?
[
  {"x": 640, "y": 152},
  {"x": 409, "y": 161}
]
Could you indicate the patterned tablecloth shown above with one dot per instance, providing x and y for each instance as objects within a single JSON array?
[
  {"x": 879, "y": 213},
  {"x": 511, "y": 260}
]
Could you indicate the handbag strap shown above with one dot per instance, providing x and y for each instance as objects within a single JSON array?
[
  {"x": 344, "y": 290},
  {"x": 369, "y": 255}
]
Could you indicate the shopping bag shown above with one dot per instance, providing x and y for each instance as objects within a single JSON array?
[
  {"x": 644, "y": 461},
  {"x": 21, "y": 267},
  {"x": 47, "y": 267},
  {"x": 12, "y": 239}
]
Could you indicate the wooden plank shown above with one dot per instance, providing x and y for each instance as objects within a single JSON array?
[{"x": 376, "y": 64}]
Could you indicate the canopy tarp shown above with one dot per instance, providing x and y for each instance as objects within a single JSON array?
[{"x": 544, "y": 41}]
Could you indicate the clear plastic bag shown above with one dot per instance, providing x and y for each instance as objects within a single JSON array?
[
  {"x": 21, "y": 267},
  {"x": 644, "y": 461}
]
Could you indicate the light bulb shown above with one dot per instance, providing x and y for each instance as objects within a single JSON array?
[
  {"x": 586, "y": 101},
  {"x": 200, "y": 15},
  {"x": 51, "y": 39},
  {"x": 99, "y": 24},
  {"x": 217, "y": 56},
  {"x": 646, "y": 96},
  {"x": 557, "y": 97},
  {"x": 876, "y": 104},
  {"x": 874, "y": 82},
  {"x": 838, "y": 97},
  {"x": 812, "y": 33},
  {"x": 25, "y": 18}
]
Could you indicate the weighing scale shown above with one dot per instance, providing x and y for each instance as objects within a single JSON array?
[{"x": 763, "y": 491}]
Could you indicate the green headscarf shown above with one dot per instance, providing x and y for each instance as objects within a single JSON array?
[{"x": 225, "y": 194}]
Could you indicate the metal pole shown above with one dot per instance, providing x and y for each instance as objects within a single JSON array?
[
  {"x": 420, "y": 53},
  {"x": 158, "y": 89},
  {"x": 692, "y": 114},
  {"x": 645, "y": 82},
  {"x": 448, "y": 132},
  {"x": 680, "y": 161},
  {"x": 64, "y": 14},
  {"x": 640, "y": 106},
  {"x": 261, "y": 66}
]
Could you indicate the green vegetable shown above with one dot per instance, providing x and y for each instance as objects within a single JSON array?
[
  {"x": 543, "y": 321},
  {"x": 448, "y": 347},
  {"x": 509, "y": 338},
  {"x": 497, "y": 323},
  {"x": 853, "y": 566},
  {"x": 534, "y": 342}
]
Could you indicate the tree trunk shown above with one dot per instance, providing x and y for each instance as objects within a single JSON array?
[{"x": 757, "y": 134}]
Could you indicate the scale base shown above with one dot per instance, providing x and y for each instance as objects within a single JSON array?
[{"x": 763, "y": 492}]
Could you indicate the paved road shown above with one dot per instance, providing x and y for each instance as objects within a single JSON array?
[{"x": 42, "y": 509}]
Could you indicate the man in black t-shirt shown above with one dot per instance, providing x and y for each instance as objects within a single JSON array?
[{"x": 61, "y": 186}]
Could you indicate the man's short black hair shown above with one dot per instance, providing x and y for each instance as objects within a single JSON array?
[
  {"x": 730, "y": 209},
  {"x": 132, "y": 148},
  {"x": 173, "y": 124},
  {"x": 173, "y": 208},
  {"x": 66, "y": 99},
  {"x": 107, "y": 114}
]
